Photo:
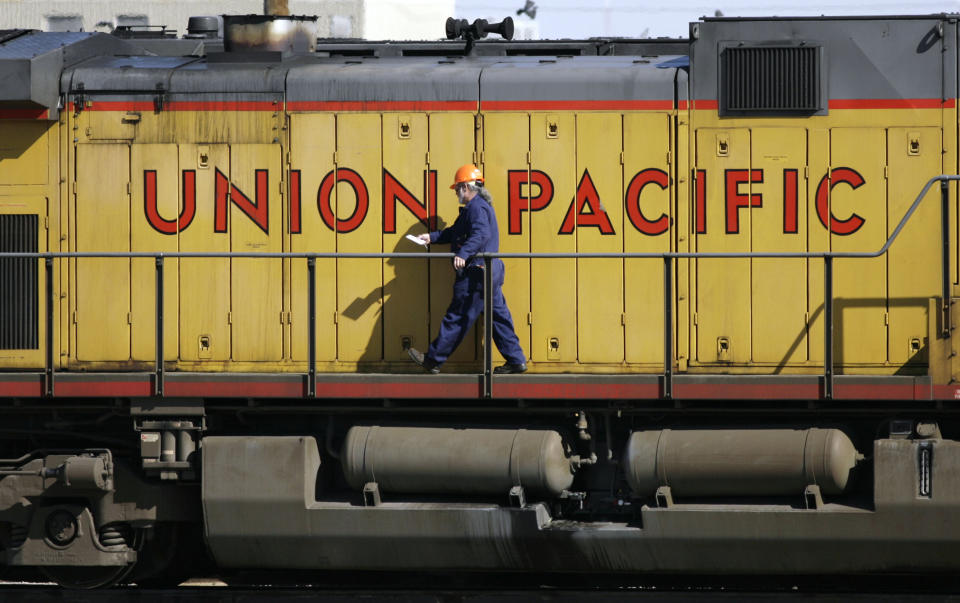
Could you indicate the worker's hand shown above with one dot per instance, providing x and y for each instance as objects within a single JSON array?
[
  {"x": 425, "y": 237},
  {"x": 459, "y": 263}
]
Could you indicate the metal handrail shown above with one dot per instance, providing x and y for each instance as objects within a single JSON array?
[{"x": 488, "y": 257}]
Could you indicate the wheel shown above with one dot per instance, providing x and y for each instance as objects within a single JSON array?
[{"x": 86, "y": 577}]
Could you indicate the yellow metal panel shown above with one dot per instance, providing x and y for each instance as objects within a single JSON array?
[
  {"x": 647, "y": 193},
  {"x": 103, "y": 224},
  {"x": 913, "y": 156},
  {"x": 860, "y": 288},
  {"x": 109, "y": 125},
  {"x": 28, "y": 204},
  {"x": 779, "y": 300},
  {"x": 553, "y": 154},
  {"x": 818, "y": 159},
  {"x": 205, "y": 282},
  {"x": 597, "y": 209},
  {"x": 359, "y": 281},
  {"x": 155, "y": 211},
  {"x": 23, "y": 152},
  {"x": 723, "y": 285},
  {"x": 406, "y": 183},
  {"x": 256, "y": 285},
  {"x": 505, "y": 147},
  {"x": 451, "y": 145},
  {"x": 312, "y": 139}
]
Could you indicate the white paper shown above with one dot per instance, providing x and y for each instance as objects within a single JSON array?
[{"x": 417, "y": 240}]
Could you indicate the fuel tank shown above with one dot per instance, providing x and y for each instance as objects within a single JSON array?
[
  {"x": 739, "y": 462},
  {"x": 466, "y": 461}
]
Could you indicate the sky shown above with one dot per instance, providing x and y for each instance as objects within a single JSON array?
[{"x": 670, "y": 18}]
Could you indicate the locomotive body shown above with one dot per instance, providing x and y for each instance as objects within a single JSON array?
[{"x": 222, "y": 231}]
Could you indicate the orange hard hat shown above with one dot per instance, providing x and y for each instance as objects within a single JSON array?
[{"x": 467, "y": 173}]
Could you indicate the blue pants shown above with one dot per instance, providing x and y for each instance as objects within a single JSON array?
[{"x": 466, "y": 306}]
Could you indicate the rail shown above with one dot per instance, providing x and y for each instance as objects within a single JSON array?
[{"x": 668, "y": 259}]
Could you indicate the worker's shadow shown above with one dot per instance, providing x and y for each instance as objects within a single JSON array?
[{"x": 403, "y": 316}]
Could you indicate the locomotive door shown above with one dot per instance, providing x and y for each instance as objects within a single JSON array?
[
  {"x": 851, "y": 204},
  {"x": 546, "y": 189},
  {"x": 102, "y": 313},
  {"x": 155, "y": 222},
  {"x": 256, "y": 284},
  {"x": 204, "y": 282},
  {"x": 407, "y": 186},
  {"x": 913, "y": 264},
  {"x": 778, "y": 223},
  {"x": 312, "y": 143},
  {"x": 724, "y": 184},
  {"x": 647, "y": 193}
]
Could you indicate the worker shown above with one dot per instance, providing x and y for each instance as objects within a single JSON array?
[{"x": 474, "y": 231}]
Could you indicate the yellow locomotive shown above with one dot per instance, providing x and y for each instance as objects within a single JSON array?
[{"x": 193, "y": 231}]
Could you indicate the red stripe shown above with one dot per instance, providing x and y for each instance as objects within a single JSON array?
[
  {"x": 24, "y": 113},
  {"x": 705, "y": 104},
  {"x": 750, "y": 391},
  {"x": 891, "y": 103},
  {"x": 576, "y": 391},
  {"x": 682, "y": 105},
  {"x": 578, "y": 105},
  {"x": 469, "y": 391},
  {"x": 107, "y": 389},
  {"x": 21, "y": 389},
  {"x": 235, "y": 389},
  {"x": 382, "y": 106}
]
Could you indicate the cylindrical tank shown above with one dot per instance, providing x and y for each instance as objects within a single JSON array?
[
  {"x": 739, "y": 462},
  {"x": 465, "y": 461}
]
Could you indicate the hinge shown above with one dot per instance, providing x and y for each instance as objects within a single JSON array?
[
  {"x": 623, "y": 318},
  {"x": 283, "y": 316},
  {"x": 669, "y": 158},
  {"x": 476, "y": 158},
  {"x": 281, "y": 187},
  {"x": 695, "y": 318},
  {"x": 229, "y": 318},
  {"x": 129, "y": 318},
  {"x": 288, "y": 157},
  {"x": 46, "y": 223},
  {"x": 334, "y": 318},
  {"x": 427, "y": 158},
  {"x": 289, "y": 318},
  {"x": 886, "y": 318},
  {"x": 886, "y": 172},
  {"x": 806, "y": 318},
  {"x": 529, "y": 318},
  {"x": 74, "y": 187},
  {"x": 74, "y": 317},
  {"x": 478, "y": 121},
  {"x": 529, "y": 158},
  {"x": 336, "y": 157},
  {"x": 806, "y": 172},
  {"x": 621, "y": 157},
  {"x": 128, "y": 188}
]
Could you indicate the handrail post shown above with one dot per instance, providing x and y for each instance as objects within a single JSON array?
[
  {"x": 667, "y": 328},
  {"x": 828, "y": 327},
  {"x": 49, "y": 372},
  {"x": 487, "y": 326},
  {"x": 158, "y": 385},
  {"x": 945, "y": 236},
  {"x": 312, "y": 322}
]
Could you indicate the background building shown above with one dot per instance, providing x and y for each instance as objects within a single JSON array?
[{"x": 370, "y": 19}]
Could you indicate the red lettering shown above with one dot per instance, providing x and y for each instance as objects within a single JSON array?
[
  {"x": 735, "y": 200},
  {"x": 587, "y": 197},
  {"x": 294, "y": 201},
  {"x": 517, "y": 202},
  {"x": 325, "y": 193},
  {"x": 393, "y": 191},
  {"x": 834, "y": 177},
  {"x": 790, "y": 201},
  {"x": 701, "y": 199},
  {"x": 632, "y": 201},
  {"x": 150, "y": 203},
  {"x": 256, "y": 211}
]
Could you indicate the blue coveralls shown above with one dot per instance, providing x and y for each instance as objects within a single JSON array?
[{"x": 474, "y": 231}]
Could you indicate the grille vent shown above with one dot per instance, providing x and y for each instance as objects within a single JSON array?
[
  {"x": 18, "y": 283},
  {"x": 770, "y": 80}
]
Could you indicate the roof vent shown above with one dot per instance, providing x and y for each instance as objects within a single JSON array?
[
  {"x": 203, "y": 28},
  {"x": 286, "y": 34},
  {"x": 771, "y": 80}
]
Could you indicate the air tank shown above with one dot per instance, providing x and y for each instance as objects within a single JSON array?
[
  {"x": 739, "y": 462},
  {"x": 438, "y": 460}
]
